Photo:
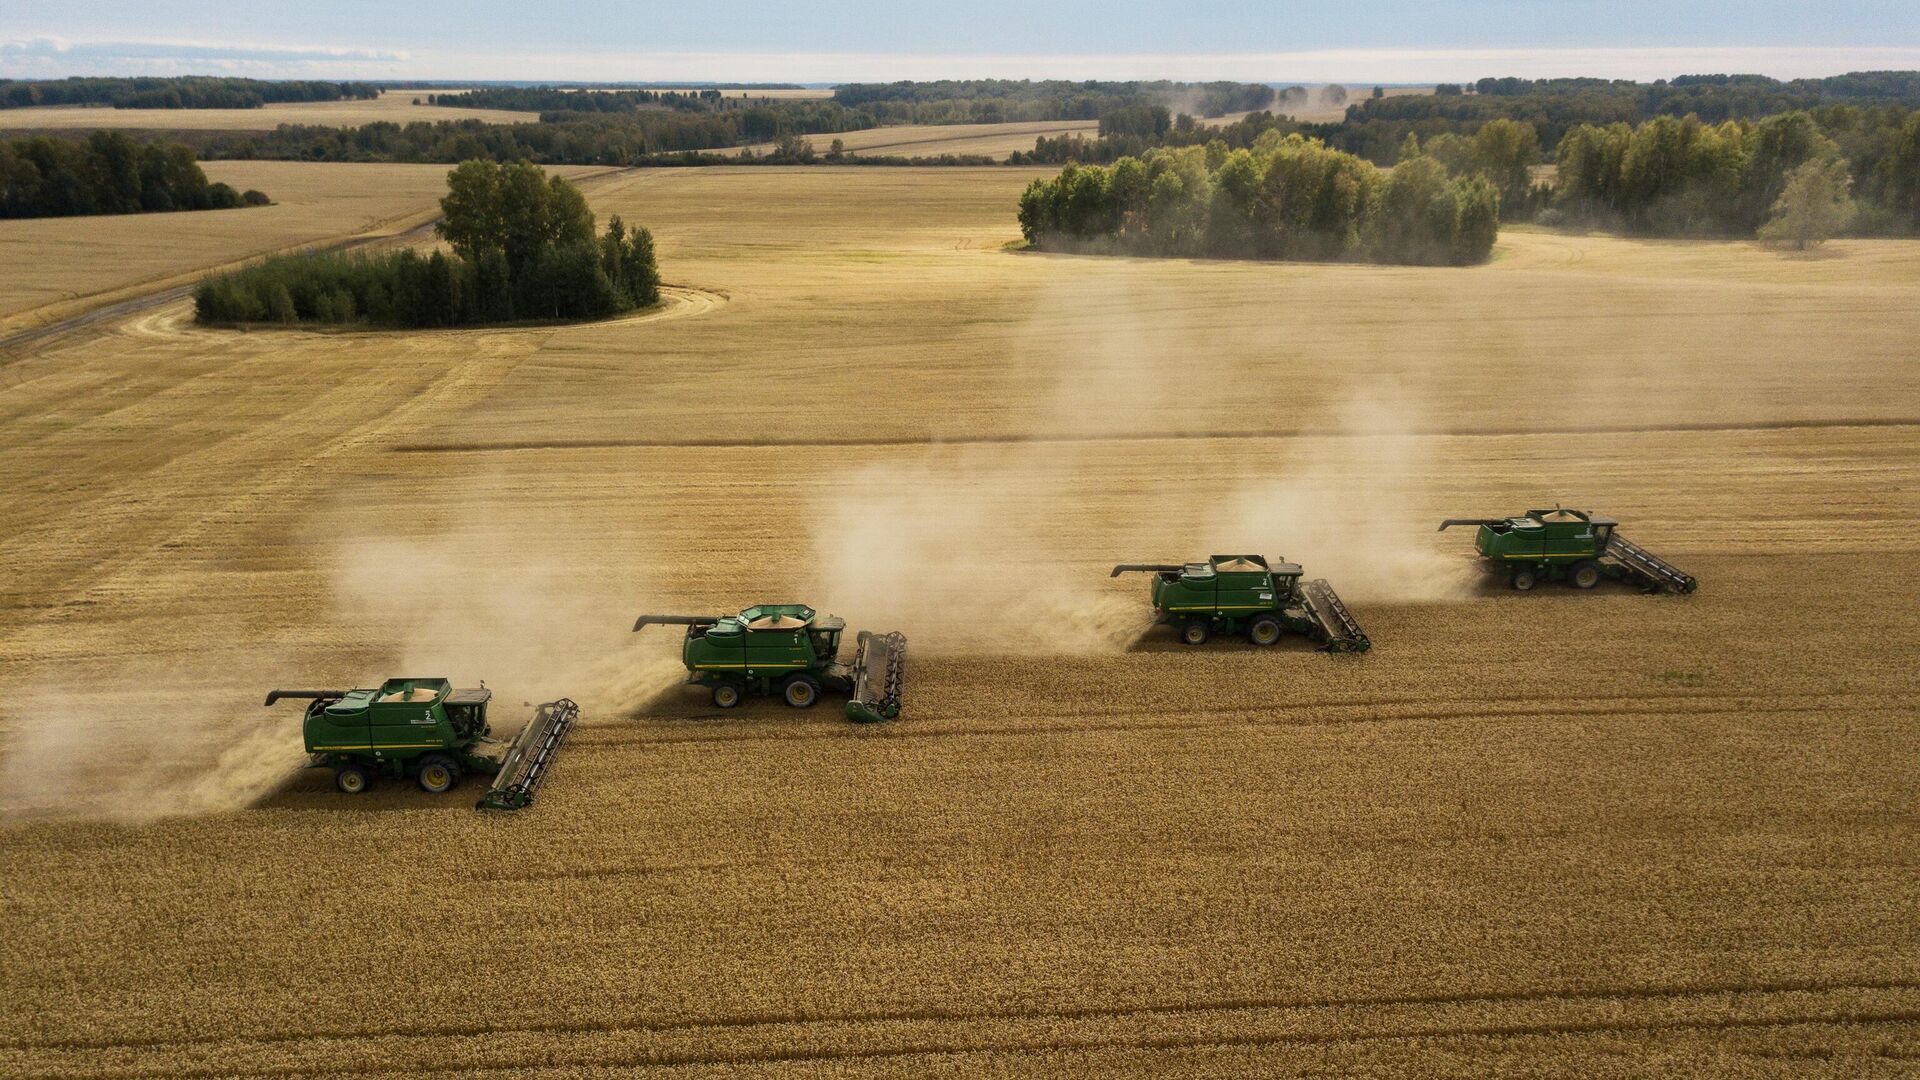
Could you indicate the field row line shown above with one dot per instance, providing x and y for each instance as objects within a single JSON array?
[
  {"x": 1020, "y": 439},
  {"x": 612, "y": 735},
  {"x": 1139, "y": 1014}
]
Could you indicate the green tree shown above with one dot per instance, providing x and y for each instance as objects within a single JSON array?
[
  {"x": 1504, "y": 151},
  {"x": 1813, "y": 205},
  {"x": 280, "y": 304},
  {"x": 515, "y": 209}
]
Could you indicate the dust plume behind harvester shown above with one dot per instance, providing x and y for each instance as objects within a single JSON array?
[
  {"x": 1574, "y": 546},
  {"x": 792, "y": 651},
  {"x": 426, "y": 730},
  {"x": 1231, "y": 594}
]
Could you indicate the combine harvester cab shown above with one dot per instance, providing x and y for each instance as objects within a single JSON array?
[
  {"x": 426, "y": 730},
  {"x": 792, "y": 651},
  {"x": 1572, "y": 546},
  {"x": 1233, "y": 594}
]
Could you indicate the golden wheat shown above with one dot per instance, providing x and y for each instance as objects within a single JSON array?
[{"x": 1545, "y": 834}]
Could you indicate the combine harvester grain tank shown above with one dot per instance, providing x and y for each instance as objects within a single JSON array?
[
  {"x": 1574, "y": 546},
  {"x": 426, "y": 730},
  {"x": 792, "y": 651},
  {"x": 1232, "y": 594}
]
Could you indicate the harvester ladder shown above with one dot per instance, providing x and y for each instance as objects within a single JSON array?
[
  {"x": 1325, "y": 607},
  {"x": 1645, "y": 567}
]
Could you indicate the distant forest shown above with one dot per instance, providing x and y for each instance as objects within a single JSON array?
[
  {"x": 185, "y": 92},
  {"x": 544, "y": 99},
  {"x": 106, "y": 173},
  {"x": 1648, "y": 157}
]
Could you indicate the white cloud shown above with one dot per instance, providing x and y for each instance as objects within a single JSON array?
[{"x": 44, "y": 57}]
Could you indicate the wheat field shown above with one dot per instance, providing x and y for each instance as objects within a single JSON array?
[
  {"x": 932, "y": 140},
  {"x": 1558, "y": 833},
  {"x": 53, "y": 267},
  {"x": 392, "y": 106}
]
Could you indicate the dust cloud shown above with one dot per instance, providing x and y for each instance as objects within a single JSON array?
[
  {"x": 1002, "y": 547},
  {"x": 140, "y": 738},
  {"x": 1353, "y": 507},
  {"x": 493, "y": 602}
]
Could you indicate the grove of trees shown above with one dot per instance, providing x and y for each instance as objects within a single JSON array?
[
  {"x": 106, "y": 173},
  {"x": 1679, "y": 175},
  {"x": 1285, "y": 197},
  {"x": 523, "y": 248},
  {"x": 182, "y": 92}
]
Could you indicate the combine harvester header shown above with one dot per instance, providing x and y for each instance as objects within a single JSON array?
[
  {"x": 1235, "y": 593},
  {"x": 429, "y": 731},
  {"x": 1569, "y": 545},
  {"x": 793, "y": 651}
]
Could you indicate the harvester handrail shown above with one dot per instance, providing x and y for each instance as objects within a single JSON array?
[
  {"x": 1146, "y": 568},
  {"x": 675, "y": 620},
  {"x": 304, "y": 695}
]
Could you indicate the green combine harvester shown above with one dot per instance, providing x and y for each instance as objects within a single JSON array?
[
  {"x": 793, "y": 651},
  {"x": 1572, "y": 546},
  {"x": 1232, "y": 594},
  {"x": 427, "y": 730}
]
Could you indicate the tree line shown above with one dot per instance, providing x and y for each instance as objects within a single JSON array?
[
  {"x": 523, "y": 247},
  {"x": 182, "y": 92},
  {"x": 544, "y": 99},
  {"x": 996, "y": 101},
  {"x": 1674, "y": 176},
  {"x": 1668, "y": 175},
  {"x": 1286, "y": 197},
  {"x": 106, "y": 173},
  {"x": 562, "y": 138},
  {"x": 1375, "y": 127}
]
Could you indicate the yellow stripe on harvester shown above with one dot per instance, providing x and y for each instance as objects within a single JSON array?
[
  {"x": 386, "y": 746},
  {"x": 1221, "y": 607}
]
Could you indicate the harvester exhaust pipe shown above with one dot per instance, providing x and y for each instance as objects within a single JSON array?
[
  {"x": 531, "y": 752},
  {"x": 1146, "y": 568},
  {"x": 674, "y": 620},
  {"x": 303, "y": 695}
]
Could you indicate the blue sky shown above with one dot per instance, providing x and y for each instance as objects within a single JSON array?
[{"x": 1380, "y": 40}]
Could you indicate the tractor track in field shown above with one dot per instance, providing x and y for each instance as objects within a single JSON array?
[
  {"x": 416, "y": 231},
  {"x": 173, "y": 321},
  {"x": 873, "y": 442},
  {"x": 1608, "y": 1001},
  {"x": 79, "y": 325},
  {"x": 1267, "y": 716}
]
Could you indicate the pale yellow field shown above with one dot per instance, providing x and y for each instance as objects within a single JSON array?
[
  {"x": 932, "y": 140},
  {"x": 394, "y": 106},
  {"x": 1554, "y": 833},
  {"x": 51, "y": 267}
]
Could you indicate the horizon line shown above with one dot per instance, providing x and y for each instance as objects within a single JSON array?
[{"x": 44, "y": 57}]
